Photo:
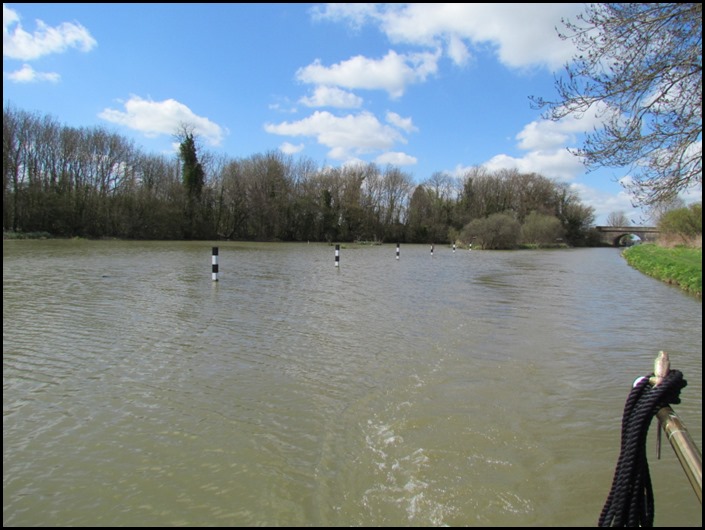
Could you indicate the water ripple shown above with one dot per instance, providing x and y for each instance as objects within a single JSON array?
[{"x": 468, "y": 388}]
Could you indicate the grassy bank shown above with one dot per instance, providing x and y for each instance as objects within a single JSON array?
[
  {"x": 682, "y": 266},
  {"x": 26, "y": 235}
]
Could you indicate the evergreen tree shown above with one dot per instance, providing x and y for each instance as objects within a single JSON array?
[{"x": 192, "y": 171}]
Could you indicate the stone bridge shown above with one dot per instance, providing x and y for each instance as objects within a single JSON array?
[{"x": 612, "y": 235}]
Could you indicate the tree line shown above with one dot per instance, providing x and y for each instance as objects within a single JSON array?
[{"x": 89, "y": 182}]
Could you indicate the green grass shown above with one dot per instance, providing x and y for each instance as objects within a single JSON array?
[{"x": 682, "y": 266}]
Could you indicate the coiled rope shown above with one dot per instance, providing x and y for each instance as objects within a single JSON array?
[{"x": 631, "y": 499}]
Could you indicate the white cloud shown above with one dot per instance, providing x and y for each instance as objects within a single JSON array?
[
  {"x": 27, "y": 74},
  {"x": 546, "y": 144},
  {"x": 356, "y": 15},
  {"x": 354, "y": 162},
  {"x": 283, "y": 105},
  {"x": 405, "y": 124},
  {"x": 457, "y": 51},
  {"x": 522, "y": 34},
  {"x": 19, "y": 44},
  {"x": 555, "y": 164},
  {"x": 326, "y": 96},
  {"x": 396, "y": 158},
  {"x": 162, "y": 117},
  {"x": 604, "y": 203},
  {"x": 345, "y": 136},
  {"x": 291, "y": 149},
  {"x": 546, "y": 134},
  {"x": 393, "y": 73}
]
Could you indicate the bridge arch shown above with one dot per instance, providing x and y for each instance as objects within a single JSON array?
[{"x": 611, "y": 235}]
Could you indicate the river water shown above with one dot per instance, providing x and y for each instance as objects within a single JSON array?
[{"x": 463, "y": 388}]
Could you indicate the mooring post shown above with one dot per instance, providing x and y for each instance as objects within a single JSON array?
[
  {"x": 397, "y": 250},
  {"x": 337, "y": 255},
  {"x": 214, "y": 264},
  {"x": 431, "y": 250}
]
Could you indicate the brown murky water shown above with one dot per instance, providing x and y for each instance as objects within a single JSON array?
[{"x": 459, "y": 389}]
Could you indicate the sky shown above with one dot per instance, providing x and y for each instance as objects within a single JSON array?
[{"x": 426, "y": 88}]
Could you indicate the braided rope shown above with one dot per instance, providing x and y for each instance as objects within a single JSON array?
[{"x": 631, "y": 499}]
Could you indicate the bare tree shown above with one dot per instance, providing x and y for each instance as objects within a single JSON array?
[
  {"x": 657, "y": 210},
  {"x": 618, "y": 219},
  {"x": 640, "y": 66}
]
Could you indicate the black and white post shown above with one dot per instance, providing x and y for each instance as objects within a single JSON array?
[
  {"x": 337, "y": 255},
  {"x": 397, "y": 250},
  {"x": 214, "y": 264},
  {"x": 431, "y": 250}
]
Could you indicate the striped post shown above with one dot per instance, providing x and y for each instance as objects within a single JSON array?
[
  {"x": 214, "y": 264},
  {"x": 453, "y": 248},
  {"x": 337, "y": 255},
  {"x": 397, "y": 250},
  {"x": 431, "y": 250}
]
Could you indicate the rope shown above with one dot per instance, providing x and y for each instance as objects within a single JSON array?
[{"x": 631, "y": 499}]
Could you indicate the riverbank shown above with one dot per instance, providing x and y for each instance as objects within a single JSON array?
[
  {"x": 682, "y": 266},
  {"x": 6, "y": 234}
]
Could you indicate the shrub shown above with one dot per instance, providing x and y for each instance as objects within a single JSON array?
[
  {"x": 540, "y": 229},
  {"x": 685, "y": 224},
  {"x": 498, "y": 231}
]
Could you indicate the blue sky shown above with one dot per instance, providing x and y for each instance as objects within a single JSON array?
[{"x": 425, "y": 87}]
